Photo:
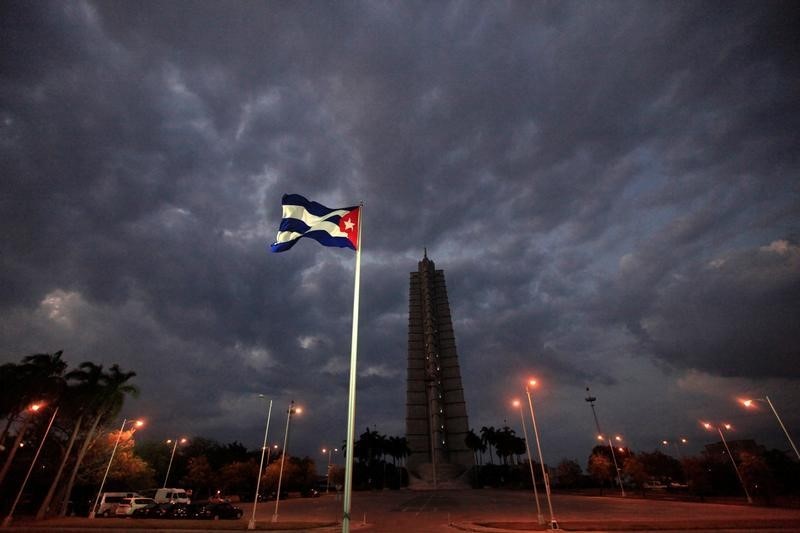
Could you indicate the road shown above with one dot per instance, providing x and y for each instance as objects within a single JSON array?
[
  {"x": 484, "y": 510},
  {"x": 438, "y": 512}
]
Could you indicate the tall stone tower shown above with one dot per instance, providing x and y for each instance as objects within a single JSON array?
[{"x": 436, "y": 414}]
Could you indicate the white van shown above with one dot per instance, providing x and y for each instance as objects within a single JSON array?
[
  {"x": 171, "y": 496},
  {"x": 109, "y": 500}
]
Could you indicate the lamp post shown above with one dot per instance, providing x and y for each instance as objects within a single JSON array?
[
  {"x": 289, "y": 412},
  {"x": 138, "y": 424},
  {"x": 539, "y": 517},
  {"x": 7, "y": 519},
  {"x": 733, "y": 461},
  {"x": 264, "y": 448},
  {"x": 675, "y": 442},
  {"x": 172, "y": 456},
  {"x": 749, "y": 403},
  {"x": 591, "y": 400},
  {"x": 33, "y": 409},
  {"x": 329, "y": 451},
  {"x": 553, "y": 522}
]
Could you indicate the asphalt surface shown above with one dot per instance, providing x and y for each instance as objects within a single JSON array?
[{"x": 486, "y": 511}]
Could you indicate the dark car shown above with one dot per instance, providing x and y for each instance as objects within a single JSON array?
[
  {"x": 214, "y": 511},
  {"x": 162, "y": 510}
]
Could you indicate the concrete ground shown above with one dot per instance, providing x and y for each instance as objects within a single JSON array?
[{"x": 467, "y": 510}]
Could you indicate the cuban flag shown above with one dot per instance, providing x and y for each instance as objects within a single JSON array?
[{"x": 304, "y": 218}]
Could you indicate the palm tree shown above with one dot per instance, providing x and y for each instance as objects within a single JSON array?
[
  {"x": 13, "y": 399},
  {"x": 80, "y": 398},
  {"x": 489, "y": 439},
  {"x": 39, "y": 378},
  {"x": 474, "y": 443},
  {"x": 110, "y": 397},
  {"x": 504, "y": 443}
]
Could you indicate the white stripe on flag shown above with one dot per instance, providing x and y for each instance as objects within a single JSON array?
[
  {"x": 299, "y": 212},
  {"x": 328, "y": 227}
]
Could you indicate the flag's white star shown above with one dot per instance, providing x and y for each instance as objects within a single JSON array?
[{"x": 348, "y": 224}]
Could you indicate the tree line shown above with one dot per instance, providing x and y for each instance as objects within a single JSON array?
[
  {"x": 767, "y": 474},
  {"x": 87, "y": 398},
  {"x": 86, "y": 402}
]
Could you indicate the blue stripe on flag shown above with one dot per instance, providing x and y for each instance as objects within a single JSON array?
[{"x": 318, "y": 222}]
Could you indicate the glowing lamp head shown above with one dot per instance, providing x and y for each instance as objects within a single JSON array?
[
  {"x": 618, "y": 438},
  {"x": 727, "y": 426},
  {"x": 600, "y": 437},
  {"x": 35, "y": 407},
  {"x": 664, "y": 442},
  {"x": 706, "y": 425},
  {"x": 139, "y": 423},
  {"x": 515, "y": 403},
  {"x": 532, "y": 382},
  {"x": 747, "y": 403},
  {"x": 684, "y": 441},
  {"x": 324, "y": 450}
]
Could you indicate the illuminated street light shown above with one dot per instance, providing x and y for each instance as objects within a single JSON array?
[
  {"x": 749, "y": 403},
  {"x": 553, "y": 522},
  {"x": 264, "y": 448},
  {"x": 681, "y": 440},
  {"x": 7, "y": 519},
  {"x": 172, "y": 456},
  {"x": 591, "y": 400},
  {"x": 289, "y": 412},
  {"x": 329, "y": 451},
  {"x": 733, "y": 461},
  {"x": 136, "y": 423},
  {"x": 32, "y": 409},
  {"x": 539, "y": 516}
]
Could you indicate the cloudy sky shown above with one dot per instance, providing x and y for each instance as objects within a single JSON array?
[{"x": 610, "y": 187}]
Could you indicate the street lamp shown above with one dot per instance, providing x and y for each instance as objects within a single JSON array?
[
  {"x": 289, "y": 412},
  {"x": 749, "y": 403},
  {"x": 33, "y": 409},
  {"x": 328, "y": 477},
  {"x": 733, "y": 461},
  {"x": 264, "y": 448},
  {"x": 553, "y": 523},
  {"x": 171, "y": 457},
  {"x": 540, "y": 518},
  {"x": 136, "y": 424},
  {"x": 591, "y": 400},
  {"x": 675, "y": 442},
  {"x": 7, "y": 519}
]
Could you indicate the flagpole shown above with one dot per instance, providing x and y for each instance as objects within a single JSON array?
[{"x": 351, "y": 404}]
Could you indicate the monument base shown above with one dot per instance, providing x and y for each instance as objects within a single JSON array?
[{"x": 448, "y": 476}]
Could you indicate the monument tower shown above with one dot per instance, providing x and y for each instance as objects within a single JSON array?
[{"x": 436, "y": 414}]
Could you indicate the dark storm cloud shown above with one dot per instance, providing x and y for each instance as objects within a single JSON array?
[{"x": 611, "y": 189}]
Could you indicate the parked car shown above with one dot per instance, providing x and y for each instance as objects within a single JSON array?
[
  {"x": 162, "y": 510},
  {"x": 127, "y": 506},
  {"x": 166, "y": 495},
  {"x": 214, "y": 510},
  {"x": 109, "y": 500}
]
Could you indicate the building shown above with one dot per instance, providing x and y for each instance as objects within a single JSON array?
[{"x": 436, "y": 414}]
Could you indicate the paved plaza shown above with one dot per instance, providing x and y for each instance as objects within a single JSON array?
[{"x": 469, "y": 510}]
